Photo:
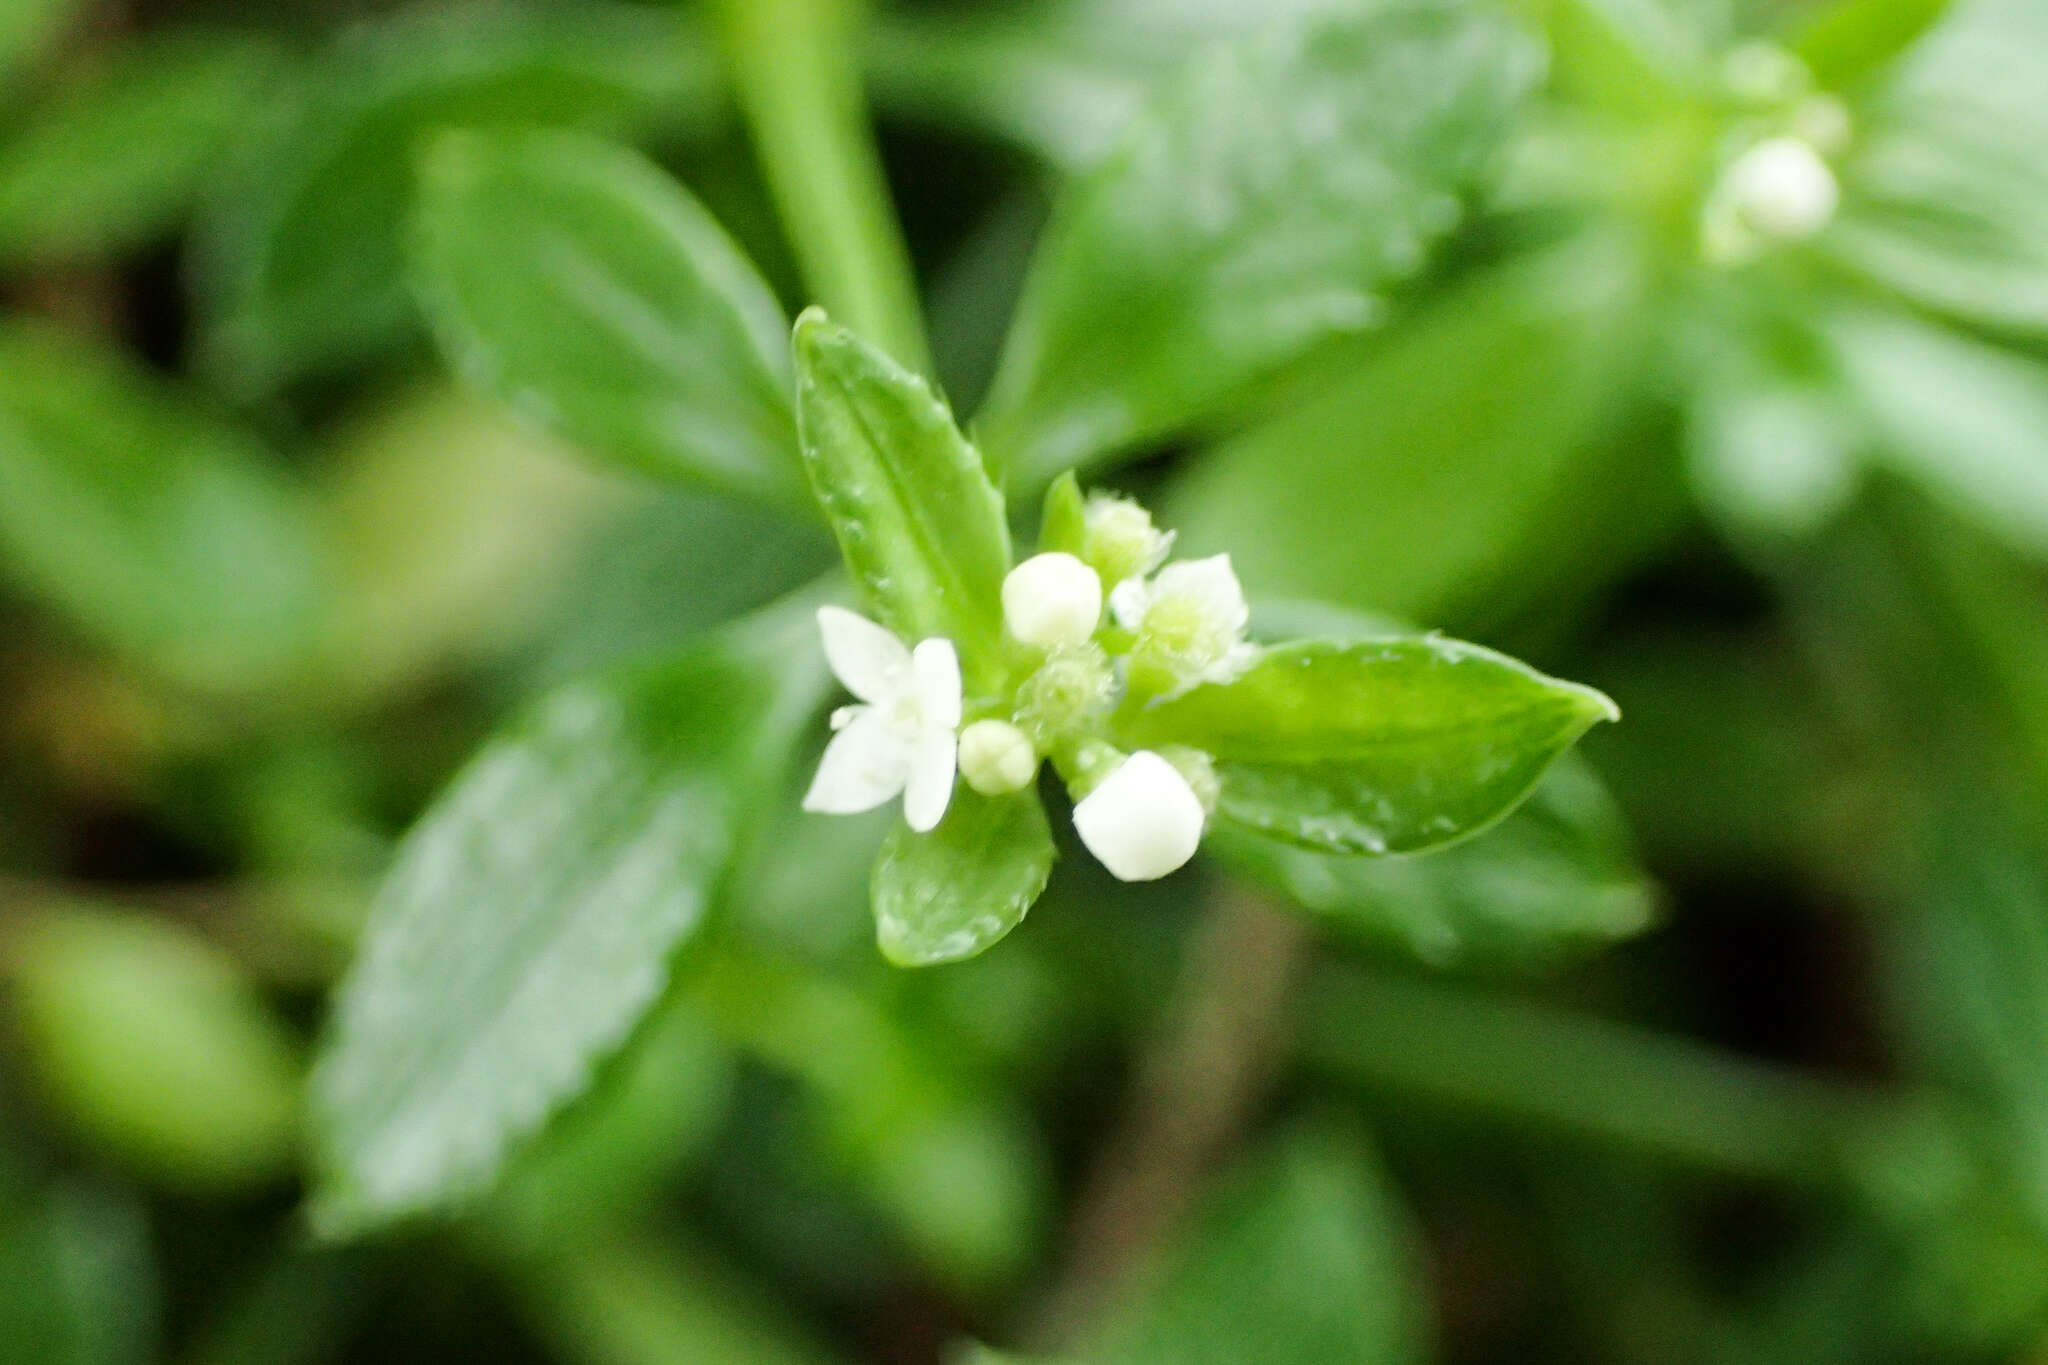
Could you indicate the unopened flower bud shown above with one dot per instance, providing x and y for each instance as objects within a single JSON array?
[
  {"x": 1782, "y": 189},
  {"x": 1119, "y": 539},
  {"x": 1052, "y": 600},
  {"x": 997, "y": 757},
  {"x": 1064, "y": 694},
  {"x": 1143, "y": 820}
]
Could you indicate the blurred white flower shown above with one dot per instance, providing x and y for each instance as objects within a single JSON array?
[
  {"x": 1782, "y": 188},
  {"x": 901, "y": 739},
  {"x": 1143, "y": 820},
  {"x": 1052, "y": 600}
]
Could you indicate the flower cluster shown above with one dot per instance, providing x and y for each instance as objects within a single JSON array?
[{"x": 1168, "y": 626}]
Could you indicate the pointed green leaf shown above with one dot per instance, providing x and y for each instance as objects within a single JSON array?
[
  {"x": 576, "y": 281},
  {"x": 116, "y": 159},
  {"x": 1063, "y": 525},
  {"x": 1262, "y": 205},
  {"x": 161, "y": 531},
  {"x": 919, "y": 522},
  {"x": 946, "y": 895},
  {"x": 299, "y": 265},
  {"x": 529, "y": 920},
  {"x": 1377, "y": 746}
]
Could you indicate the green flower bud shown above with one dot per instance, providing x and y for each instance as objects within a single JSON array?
[{"x": 997, "y": 757}]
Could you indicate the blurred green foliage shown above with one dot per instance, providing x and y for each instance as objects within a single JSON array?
[{"x": 399, "y": 503}]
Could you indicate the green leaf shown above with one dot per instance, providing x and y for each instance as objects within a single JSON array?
[
  {"x": 575, "y": 280},
  {"x": 165, "y": 534},
  {"x": 1557, "y": 874},
  {"x": 155, "y": 1049},
  {"x": 300, "y": 264},
  {"x": 947, "y": 895},
  {"x": 917, "y": 519},
  {"x": 1063, "y": 525},
  {"x": 29, "y": 27},
  {"x": 1463, "y": 448},
  {"x": 1380, "y": 746},
  {"x": 1850, "y": 40},
  {"x": 1260, "y": 207},
  {"x": 529, "y": 920},
  {"x": 1966, "y": 420},
  {"x": 1302, "y": 1257},
  {"x": 78, "y": 1285},
  {"x": 117, "y": 159}
]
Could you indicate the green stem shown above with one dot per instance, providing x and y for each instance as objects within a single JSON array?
[
  {"x": 794, "y": 72},
  {"x": 1618, "y": 1084}
]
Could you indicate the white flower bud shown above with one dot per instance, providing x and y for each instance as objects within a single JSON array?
[
  {"x": 1143, "y": 820},
  {"x": 997, "y": 757},
  {"x": 1052, "y": 600},
  {"x": 1782, "y": 189}
]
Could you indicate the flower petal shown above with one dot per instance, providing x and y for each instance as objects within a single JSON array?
[
  {"x": 935, "y": 668},
  {"x": 930, "y": 789},
  {"x": 1143, "y": 820},
  {"x": 1128, "y": 600},
  {"x": 872, "y": 663},
  {"x": 1211, "y": 585},
  {"x": 865, "y": 764}
]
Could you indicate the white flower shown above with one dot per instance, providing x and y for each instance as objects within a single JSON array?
[
  {"x": 1190, "y": 619},
  {"x": 1052, "y": 600},
  {"x": 1782, "y": 188},
  {"x": 1143, "y": 820},
  {"x": 902, "y": 738}
]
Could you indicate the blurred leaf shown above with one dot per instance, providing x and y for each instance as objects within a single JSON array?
[
  {"x": 949, "y": 894},
  {"x": 528, "y": 923},
  {"x": 1849, "y": 40},
  {"x": 627, "y": 598},
  {"x": 117, "y": 159},
  {"x": 1966, "y": 420},
  {"x": 1058, "y": 77},
  {"x": 78, "y": 1281},
  {"x": 952, "y": 1164},
  {"x": 1259, "y": 208},
  {"x": 28, "y": 28},
  {"x": 1773, "y": 457},
  {"x": 162, "y": 532},
  {"x": 1303, "y": 1257},
  {"x": 917, "y": 519},
  {"x": 1384, "y": 746},
  {"x": 455, "y": 530},
  {"x": 1557, "y": 874},
  {"x": 155, "y": 1049},
  {"x": 576, "y": 281},
  {"x": 635, "y": 1299},
  {"x": 1452, "y": 446},
  {"x": 300, "y": 259},
  {"x": 600, "y": 1164}
]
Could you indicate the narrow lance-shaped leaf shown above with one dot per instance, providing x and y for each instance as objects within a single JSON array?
[
  {"x": 529, "y": 920},
  {"x": 917, "y": 518},
  {"x": 1262, "y": 205},
  {"x": 575, "y": 280},
  {"x": 159, "y": 530},
  {"x": 1378, "y": 746},
  {"x": 946, "y": 895}
]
